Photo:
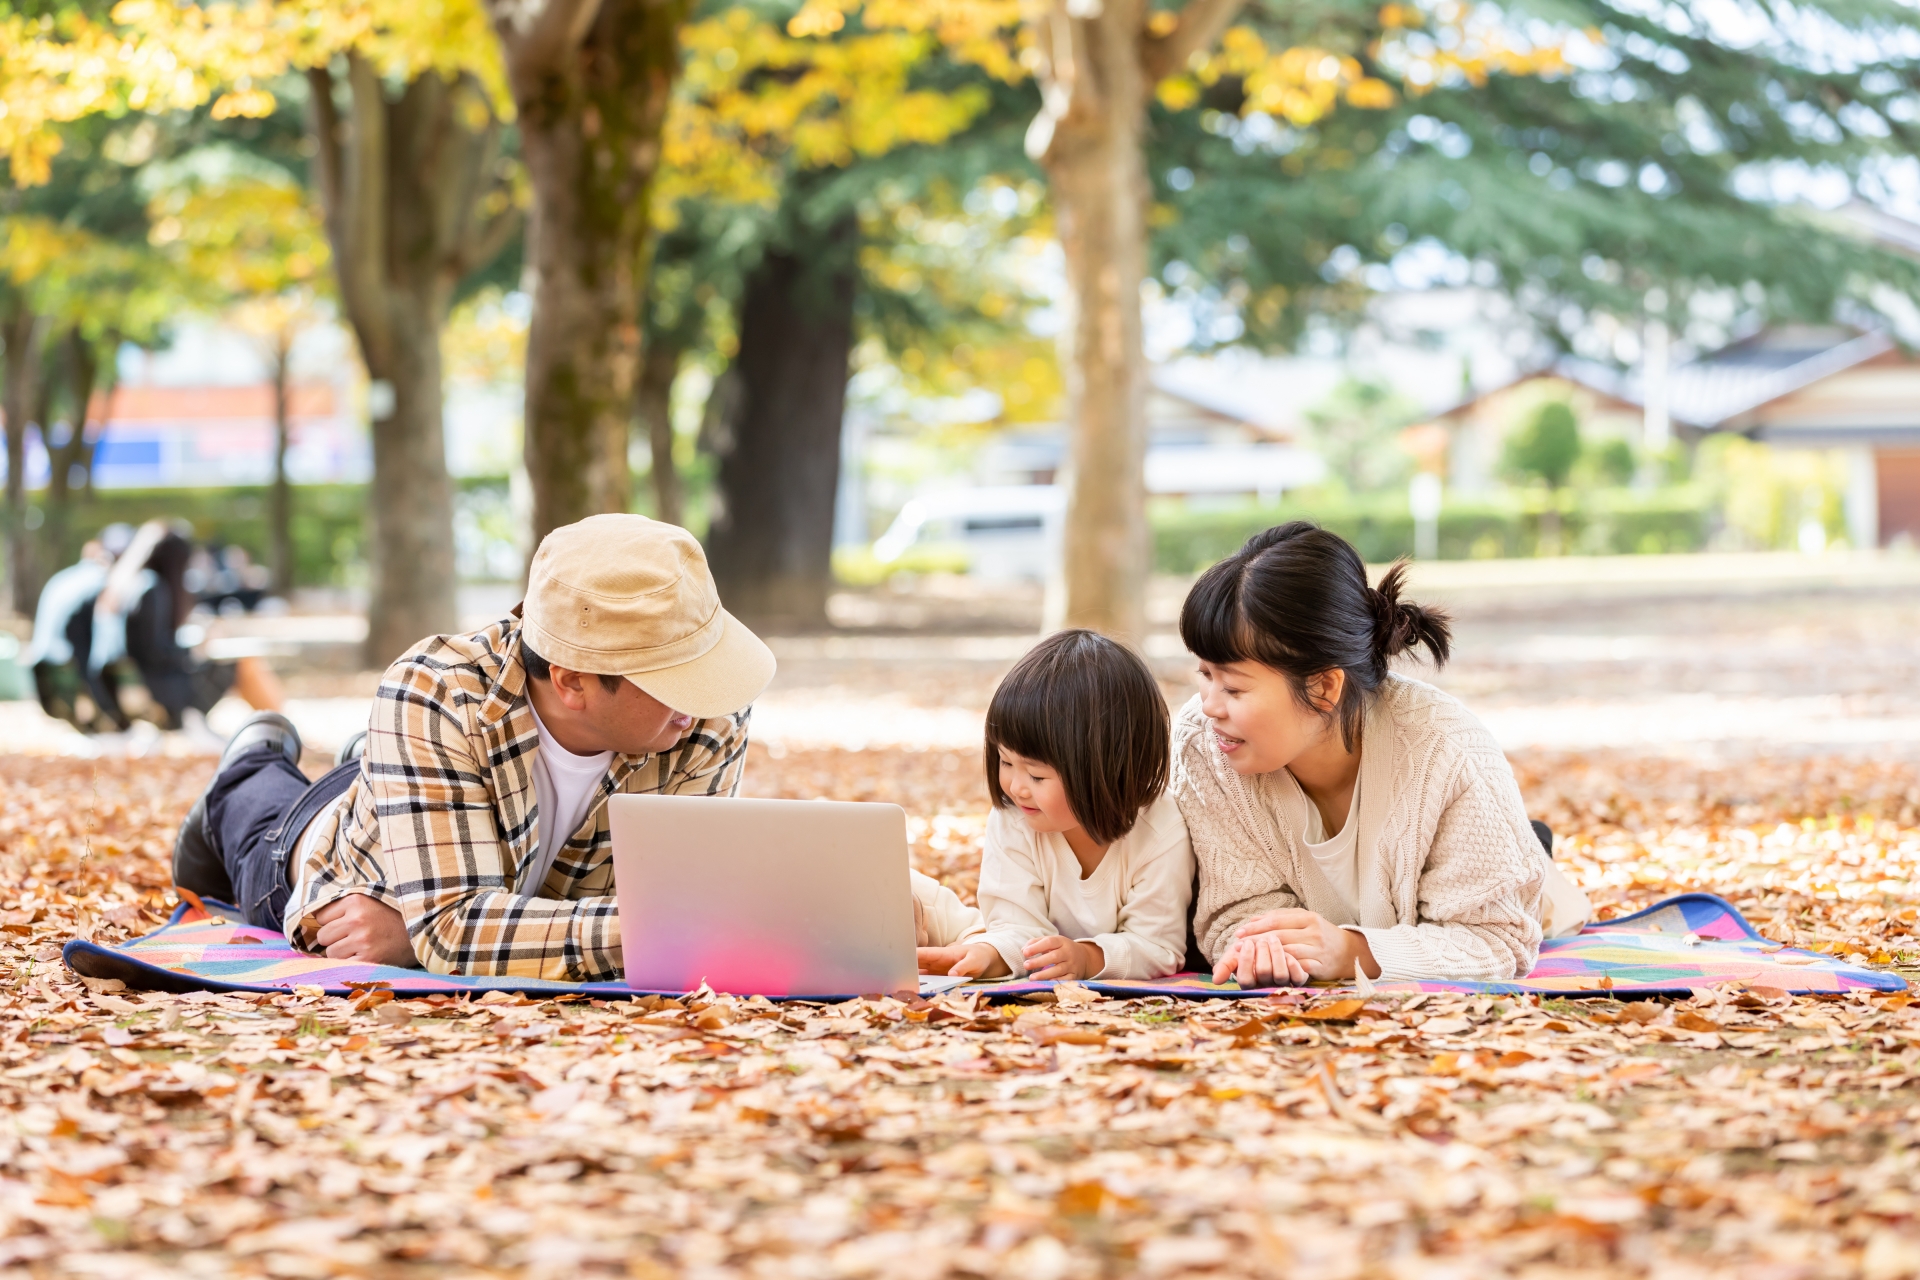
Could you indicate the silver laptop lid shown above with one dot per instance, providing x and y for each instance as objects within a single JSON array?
[{"x": 763, "y": 897}]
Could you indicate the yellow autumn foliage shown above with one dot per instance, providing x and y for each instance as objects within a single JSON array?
[
  {"x": 158, "y": 55},
  {"x": 754, "y": 97},
  {"x": 252, "y": 239},
  {"x": 77, "y": 278}
]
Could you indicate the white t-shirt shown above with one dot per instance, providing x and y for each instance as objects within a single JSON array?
[
  {"x": 1345, "y": 867},
  {"x": 1336, "y": 858},
  {"x": 564, "y": 786},
  {"x": 1133, "y": 906}
]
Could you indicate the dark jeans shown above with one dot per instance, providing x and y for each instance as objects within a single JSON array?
[{"x": 256, "y": 812}]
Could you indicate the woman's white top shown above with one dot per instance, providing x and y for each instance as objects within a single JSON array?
[
  {"x": 1133, "y": 906},
  {"x": 1337, "y": 858},
  {"x": 564, "y": 787}
]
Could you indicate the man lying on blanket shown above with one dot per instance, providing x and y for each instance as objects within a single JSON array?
[{"x": 466, "y": 830}]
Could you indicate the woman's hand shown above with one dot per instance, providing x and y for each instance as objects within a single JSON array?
[
  {"x": 361, "y": 928},
  {"x": 1308, "y": 945},
  {"x": 1260, "y": 960},
  {"x": 979, "y": 960},
  {"x": 1050, "y": 959}
]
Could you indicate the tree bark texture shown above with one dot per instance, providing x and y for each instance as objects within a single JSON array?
[
  {"x": 1097, "y": 70},
  {"x": 771, "y": 544},
  {"x": 653, "y": 402},
  {"x": 591, "y": 80},
  {"x": 414, "y": 200},
  {"x": 280, "y": 494},
  {"x": 24, "y": 332},
  {"x": 81, "y": 365}
]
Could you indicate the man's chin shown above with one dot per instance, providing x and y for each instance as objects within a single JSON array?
[{"x": 663, "y": 743}]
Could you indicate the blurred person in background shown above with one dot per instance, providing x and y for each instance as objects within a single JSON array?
[
  {"x": 138, "y": 617},
  {"x": 63, "y": 632},
  {"x": 227, "y": 580}
]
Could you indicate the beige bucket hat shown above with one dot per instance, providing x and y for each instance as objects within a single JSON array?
[{"x": 627, "y": 596}]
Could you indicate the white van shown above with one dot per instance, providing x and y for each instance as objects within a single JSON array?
[{"x": 1009, "y": 533}]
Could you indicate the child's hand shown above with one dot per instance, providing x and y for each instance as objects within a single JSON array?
[
  {"x": 981, "y": 960},
  {"x": 1049, "y": 959}
]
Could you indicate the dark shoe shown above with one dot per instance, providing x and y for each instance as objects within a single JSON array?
[
  {"x": 351, "y": 750},
  {"x": 196, "y": 863}
]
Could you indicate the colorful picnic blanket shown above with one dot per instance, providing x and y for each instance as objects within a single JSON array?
[{"x": 1694, "y": 940}]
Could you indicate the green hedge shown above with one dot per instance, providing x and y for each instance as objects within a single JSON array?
[
  {"x": 1597, "y": 522},
  {"x": 329, "y": 533}
]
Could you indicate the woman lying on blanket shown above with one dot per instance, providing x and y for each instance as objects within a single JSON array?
[{"x": 1345, "y": 818}]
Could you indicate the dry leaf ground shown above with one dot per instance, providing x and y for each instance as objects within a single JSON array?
[{"x": 298, "y": 1135}]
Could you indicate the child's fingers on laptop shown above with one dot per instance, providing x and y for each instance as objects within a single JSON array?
[
  {"x": 976, "y": 961},
  {"x": 945, "y": 960}
]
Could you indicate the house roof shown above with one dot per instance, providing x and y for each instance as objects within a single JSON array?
[
  {"x": 206, "y": 405},
  {"x": 1718, "y": 388}
]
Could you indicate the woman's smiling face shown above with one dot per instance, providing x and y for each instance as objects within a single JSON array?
[{"x": 1258, "y": 721}]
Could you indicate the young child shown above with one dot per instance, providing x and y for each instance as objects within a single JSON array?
[
  {"x": 940, "y": 919},
  {"x": 1087, "y": 870}
]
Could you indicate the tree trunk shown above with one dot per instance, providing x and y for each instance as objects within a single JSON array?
[
  {"x": 654, "y": 405},
  {"x": 591, "y": 81},
  {"x": 412, "y": 497},
  {"x": 404, "y": 180},
  {"x": 771, "y": 545},
  {"x": 1095, "y": 164},
  {"x": 1097, "y": 68},
  {"x": 82, "y": 369},
  {"x": 280, "y": 494},
  {"x": 88, "y": 441},
  {"x": 24, "y": 332}
]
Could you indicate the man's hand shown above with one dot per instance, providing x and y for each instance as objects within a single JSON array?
[
  {"x": 358, "y": 927},
  {"x": 979, "y": 960},
  {"x": 1292, "y": 946},
  {"x": 1050, "y": 959}
]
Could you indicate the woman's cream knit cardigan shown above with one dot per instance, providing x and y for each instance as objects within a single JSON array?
[{"x": 1456, "y": 891}]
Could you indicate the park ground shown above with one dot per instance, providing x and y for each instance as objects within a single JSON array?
[{"x": 1751, "y": 732}]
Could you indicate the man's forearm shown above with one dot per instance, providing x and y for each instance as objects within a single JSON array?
[{"x": 507, "y": 935}]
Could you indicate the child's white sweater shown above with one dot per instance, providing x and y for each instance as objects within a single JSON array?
[
  {"x": 1134, "y": 905},
  {"x": 949, "y": 921}
]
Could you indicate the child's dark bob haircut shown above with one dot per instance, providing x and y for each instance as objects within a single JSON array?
[{"x": 1087, "y": 708}]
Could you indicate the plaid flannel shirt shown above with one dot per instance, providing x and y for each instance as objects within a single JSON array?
[{"x": 442, "y": 823}]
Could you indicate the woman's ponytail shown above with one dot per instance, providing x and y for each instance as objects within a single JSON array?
[{"x": 1401, "y": 626}]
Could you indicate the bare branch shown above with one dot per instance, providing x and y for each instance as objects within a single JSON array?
[
  {"x": 1199, "y": 25},
  {"x": 537, "y": 34},
  {"x": 1067, "y": 83},
  {"x": 486, "y": 240},
  {"x": 326, "y": 141},
  {"x": 361, "y": 246}
]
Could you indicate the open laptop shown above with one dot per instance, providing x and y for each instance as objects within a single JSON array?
[{"x": 763, "y": 897}]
